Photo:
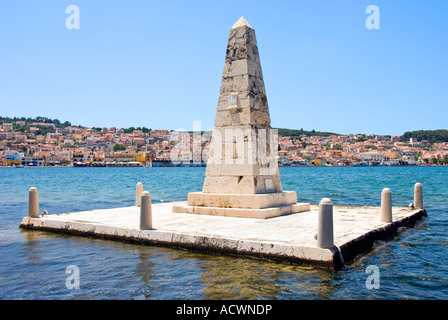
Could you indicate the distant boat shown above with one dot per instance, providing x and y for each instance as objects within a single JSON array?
[{"x": 362, "y": 164}]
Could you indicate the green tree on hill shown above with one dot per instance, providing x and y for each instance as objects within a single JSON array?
[
  {"x": 297, "y": 133},
  {"x": 119, "y": 147}
]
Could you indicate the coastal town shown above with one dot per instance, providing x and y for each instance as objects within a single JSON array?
[{"x": 45, "y": 142}]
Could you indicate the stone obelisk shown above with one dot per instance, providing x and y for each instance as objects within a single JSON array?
[{"x": 242, "y": 176}]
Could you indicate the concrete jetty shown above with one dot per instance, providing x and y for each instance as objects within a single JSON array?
[{"x": 289, "y": 238}]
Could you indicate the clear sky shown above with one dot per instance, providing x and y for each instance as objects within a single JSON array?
[{"x": 159, "y": 64}]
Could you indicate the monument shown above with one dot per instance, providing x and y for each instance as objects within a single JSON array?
[{"x": 242, "y": 176}]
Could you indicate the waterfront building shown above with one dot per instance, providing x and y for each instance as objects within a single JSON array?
[
  {"x": 371, "y": 157},
  {"x": 31, "y": 161},
  {"x": 13, "y": 157},
  {"x": 125, "y": 156}
]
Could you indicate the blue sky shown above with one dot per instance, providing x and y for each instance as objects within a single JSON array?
[{"x": 159, "y": 64}]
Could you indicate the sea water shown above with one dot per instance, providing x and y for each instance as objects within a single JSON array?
[{"x": 35, "y": 265}]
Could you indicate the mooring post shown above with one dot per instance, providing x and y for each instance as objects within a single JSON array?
[
  {"x": 138, "y": 193},
  {"x": 325, "y": 224},
  {"x": 418, "y": 196},
  {"x": 145, "y": 211},
  {"x": 33, "y": 203},
  {"x": 386, "y": 205}
]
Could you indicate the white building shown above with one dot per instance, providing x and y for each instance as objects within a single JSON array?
[{"x": 371, "y": 156}]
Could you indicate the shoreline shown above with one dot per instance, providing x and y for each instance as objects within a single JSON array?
[{"x": 280, "y": 166}]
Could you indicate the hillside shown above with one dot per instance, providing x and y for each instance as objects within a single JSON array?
[
  {"x": 294, "y": 133},
  {"x": 432, "y": 136}
]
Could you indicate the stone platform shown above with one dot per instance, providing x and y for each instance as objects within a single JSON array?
[
  {"x": 287, "y": 239},
  {"x": 260, "y": 206}
]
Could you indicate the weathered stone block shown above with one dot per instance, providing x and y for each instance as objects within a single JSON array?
[{"x": 248, "y": 201}]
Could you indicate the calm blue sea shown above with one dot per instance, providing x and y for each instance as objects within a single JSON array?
[{"x": 33, "y": 264}]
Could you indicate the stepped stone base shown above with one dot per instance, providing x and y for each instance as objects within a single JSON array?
[
  {"x": 261, "y": 206},
  {"x": 248, "y": 201}
]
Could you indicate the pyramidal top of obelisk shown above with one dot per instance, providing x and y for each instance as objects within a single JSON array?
[
  {"x": 242, "y": 177},
  {"x": 241, "y": 22}
]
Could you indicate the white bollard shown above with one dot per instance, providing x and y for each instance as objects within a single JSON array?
[
  {"x": 33, "y": 203},
  {"x": 325, "y": 224},
  {"x": 138, "y": 193},
  {"x": 386, "y": 205},
  {"x": 418, "y": 196},
  {"x": 145, "y": 211}
]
